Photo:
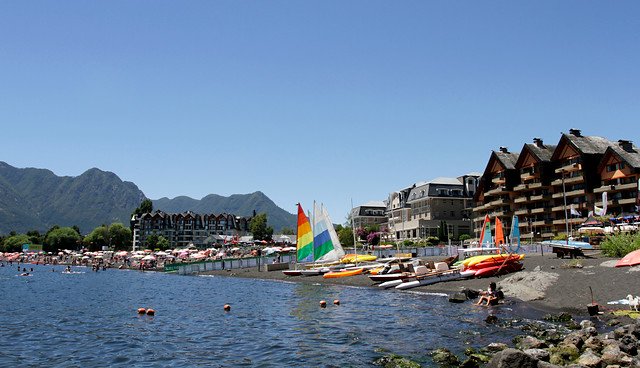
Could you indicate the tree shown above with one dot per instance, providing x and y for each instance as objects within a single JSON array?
[
  {"x": 464, "y": 237},
  {"x": 287, "y": 231},
  {"x": 61, "y": 238},
  {"x": 14, "y": 243},
  {"x": 97, "y": 238},
  {"x": 163, "y": 243},
  {"x": 119, "y": 236},
  {"x": 345, "y": 235},
  {"x": 152, "y": 241},
  {"x": 35, "y": 237},
  {"x": 259, "y": 229},
  {"x": 146, "y": 206}
]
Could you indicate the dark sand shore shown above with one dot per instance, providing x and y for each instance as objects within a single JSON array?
[{"x": 546, "y": 283}]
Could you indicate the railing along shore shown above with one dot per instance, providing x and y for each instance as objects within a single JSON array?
[{"x": 193, "y": 268}]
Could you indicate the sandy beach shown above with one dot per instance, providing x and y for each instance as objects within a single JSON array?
[{"x": 546, "y": 282}]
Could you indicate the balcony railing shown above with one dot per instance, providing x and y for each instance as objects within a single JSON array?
[
  {"x": 521, "y": 199},
  {"x": 538, "y": 210},
  {"x": 525, "y": 211},
  {"x": 569, "y": 168},
  {"x": 521, "y": 187},
  {"x": 615, "y": 188}
]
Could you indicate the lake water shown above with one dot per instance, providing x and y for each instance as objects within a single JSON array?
[{"x": 89, "y": 319}]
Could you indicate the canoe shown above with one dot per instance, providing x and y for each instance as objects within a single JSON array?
[
  {"x": 392, "y": 283},
  {"x": 314, "y": 271},
  {"x": 390, "y": 276},
  {"x": 350, "y": 258},
  {"x": 496, "y": 270},
  {"x": 292, "y": 272},
  {"x": 493, "y": 257},
  {"x": 631, "y": 259},
  {"x": 493, "y": 262},
  {"x": 345, "y": 273},
  {"x": 431, "y": 279}
]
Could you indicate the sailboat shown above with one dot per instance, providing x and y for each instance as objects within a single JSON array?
[
  {"x": 304, "y": 242},
  {"x": 317, "y": 246}
]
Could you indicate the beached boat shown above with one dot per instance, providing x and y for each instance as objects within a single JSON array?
[
  {"x": 432, "y": 278},
  {"x": 499, "y": 269},
  {"x": 350, "y": 258},
  {"x": 343, "y": 273},
  {"x": 391, "y": 276},
  {"x": 631, "y": 259}
]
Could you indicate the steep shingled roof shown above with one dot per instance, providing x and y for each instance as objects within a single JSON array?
[
  {"x": 631, "y": 157},
  {"x": 508, "y": 159},
  {"x": 543, "y": 153},
  {"x": 589, "y": 144}
]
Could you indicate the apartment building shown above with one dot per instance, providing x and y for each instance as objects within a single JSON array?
[
  {"x": 184, "y": 229},
  {"x": 369, "y": 214},
  {"x": 554, "y": 188},
  {"x": 417, "y": 212}
]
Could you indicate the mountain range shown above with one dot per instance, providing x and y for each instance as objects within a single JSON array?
[{"x": 37, "y": 199}]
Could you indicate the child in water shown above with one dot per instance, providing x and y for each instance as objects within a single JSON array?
[{"x": 489, "y": 295}]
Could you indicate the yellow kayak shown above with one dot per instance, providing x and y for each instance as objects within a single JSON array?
[
  {"x": 345, "y": 273},
  {"x": 351, "y": 258},
  {"x": 486, "y": 257}
]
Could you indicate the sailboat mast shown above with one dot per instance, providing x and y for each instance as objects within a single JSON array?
[{"x": 355, "y": 251}]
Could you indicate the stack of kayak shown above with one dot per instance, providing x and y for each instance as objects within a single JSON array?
[{"x": 492, "y": 264}]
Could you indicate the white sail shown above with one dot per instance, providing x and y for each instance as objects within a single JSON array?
[{"x": 326, "y": 245}]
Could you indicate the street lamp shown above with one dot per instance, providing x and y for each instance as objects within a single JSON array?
[{"x": 566, "y": 216}]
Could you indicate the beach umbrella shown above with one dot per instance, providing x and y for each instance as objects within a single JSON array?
[
  {"x": 198, "y": 256},
  {"x": 149, "y": 258},
  {"x": 161, "y": 253},
  {"x": 122, "y": 253},
  {"x": 138, "y": 256},
  {"x": 234, "y": 249}
]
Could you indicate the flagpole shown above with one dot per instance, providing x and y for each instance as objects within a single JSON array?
[{"x": 566, "y": 217}]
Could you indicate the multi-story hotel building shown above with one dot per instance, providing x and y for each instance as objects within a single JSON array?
[
  {"x": 184, "y": 229},
  {"x": 368, "y": 214},
  {"x": 554, "y": 188},
  {"x": 416, "y": 212}
]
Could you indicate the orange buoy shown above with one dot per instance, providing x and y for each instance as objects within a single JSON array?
[
  {"x": 227, "y": 307},
  {"x": 142, "y": 311},
  {"x": 336, "y": 302},
  {"x": 323, "y": 304},
  {"x": 150, "y": 312}
]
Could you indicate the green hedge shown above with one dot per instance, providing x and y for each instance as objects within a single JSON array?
[{"x": 620, "y": 245}]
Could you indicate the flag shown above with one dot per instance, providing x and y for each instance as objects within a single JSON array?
[
  {"x": 573, "y": 211},
  {"x": 604, "y": 204},
  {"x": 597, "y": 211},
  {"x": 590, "y": 214}
]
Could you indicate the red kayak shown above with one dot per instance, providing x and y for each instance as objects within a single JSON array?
[
  {"x": 630, "y": 259},
  {"x": 496, "y": 270},
  {"x": 493, "y": 262}
]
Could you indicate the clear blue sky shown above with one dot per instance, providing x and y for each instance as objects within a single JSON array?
[{"x": 304, "y": 100}]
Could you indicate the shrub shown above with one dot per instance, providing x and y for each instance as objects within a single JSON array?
[{"x": 620, "y": 245}]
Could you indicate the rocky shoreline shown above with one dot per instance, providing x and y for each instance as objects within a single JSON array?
[{"x": 562, "y": 289}]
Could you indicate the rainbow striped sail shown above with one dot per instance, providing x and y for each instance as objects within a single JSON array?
[
  {"x": 515, "y": 234},
  {"x": 304, "y": 242}
]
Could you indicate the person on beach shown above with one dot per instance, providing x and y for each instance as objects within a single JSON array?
[{"x": 489, "y": 295}]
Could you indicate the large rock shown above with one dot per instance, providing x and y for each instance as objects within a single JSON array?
[
  {"x": 589, "y": 359},
  {"x": 445, "y": 358},
  {"x": 495, "y": 347},
  {"x": 576, "y": 338},
  {"x": 458, "y": 297},
  {"x": 594, "y": 343},
  {"x": 564, "y": 354},
  {"x": 530, "y": 342},
  {"x": 540, "y": 354},
  {"x": 512, "y": 358}
]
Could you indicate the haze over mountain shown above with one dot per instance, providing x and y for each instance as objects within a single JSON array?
[{"x": 37, "y": 199}]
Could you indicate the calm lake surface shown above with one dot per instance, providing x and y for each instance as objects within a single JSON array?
[{"x": 89, "y": 319}]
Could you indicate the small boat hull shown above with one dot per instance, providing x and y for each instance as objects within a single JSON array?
[
  {"x": 292, "y": 272},
  {"x": 431, "y": 279},
  {"x": 345, "y": 273},
  {"x": 389, "y": 277},
  {"x": 631, "y": 259},
  {"x": 314, "y": 271},
  {"x": 499, "y": 269}
]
